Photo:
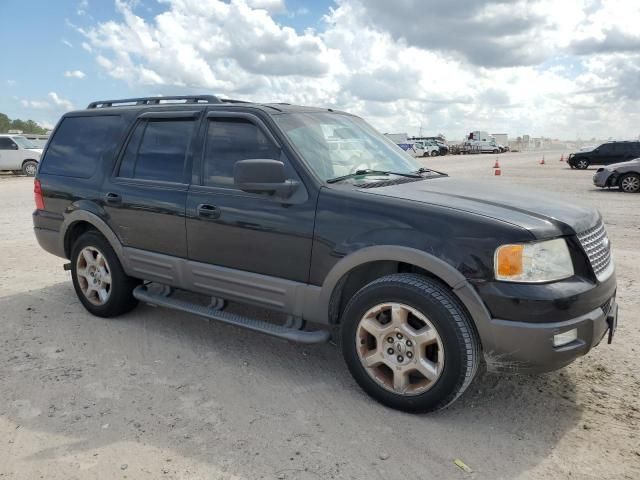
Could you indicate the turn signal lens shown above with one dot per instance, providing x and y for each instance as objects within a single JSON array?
[
  {"x": 509, "y": 260},
  {"x": 533, "y": 262}
]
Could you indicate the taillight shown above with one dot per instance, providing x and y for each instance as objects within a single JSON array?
[{"x": 37, "y": 194}]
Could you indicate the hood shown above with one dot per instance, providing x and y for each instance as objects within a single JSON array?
[
  {"x": 629, "y": 163},
  {"x": 542, "y": 214}
]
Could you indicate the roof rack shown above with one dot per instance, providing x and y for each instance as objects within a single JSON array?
[{"x": 155, "y": 101}]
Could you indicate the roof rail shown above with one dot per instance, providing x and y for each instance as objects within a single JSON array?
[{"x": 154, "y": 101}]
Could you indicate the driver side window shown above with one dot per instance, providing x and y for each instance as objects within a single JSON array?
[
  {"x": 7, "y": 144},
  {"x": 228, "y": 141}
]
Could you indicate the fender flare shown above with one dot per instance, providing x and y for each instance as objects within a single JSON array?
[
  {"x": 96, "y": 222},
  {"x": 458, "y": 283}
]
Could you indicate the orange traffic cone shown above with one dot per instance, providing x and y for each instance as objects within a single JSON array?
[
  {"x": 562, "y": 157},
  {"x": 497, "y": 164},
  {"x": 497, "y": 172},
  {"x": 542, "y": 161}
]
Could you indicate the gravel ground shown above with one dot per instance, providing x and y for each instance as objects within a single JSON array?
[{"x": 158, "y": 394}]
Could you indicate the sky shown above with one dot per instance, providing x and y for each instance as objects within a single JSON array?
[{"x": 561, "y": 69}]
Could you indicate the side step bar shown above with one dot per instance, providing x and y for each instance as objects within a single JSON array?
[{"x": 292, "y": 334}]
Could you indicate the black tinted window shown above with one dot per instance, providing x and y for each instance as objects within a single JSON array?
[
  {"x": 230, "y": 140},
  {"x": 78, "y": 144},
  {"x": 157, "y": 150},
  {"x": 7, "y": 144}
]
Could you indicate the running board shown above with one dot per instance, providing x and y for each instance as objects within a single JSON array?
[{"x": 292, "y": 334}]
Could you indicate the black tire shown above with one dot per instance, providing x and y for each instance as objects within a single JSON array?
[
  {"x": 30, "y": 168},
  {"x": 582, "y": 164},
  {"x": 496, "y": 151},
  {"x": 629, "y": 183},
  {"x": 120, "y": 299},
  {"x": 434, "y": 153},
  {"x": 458, "y": 336},
  {"x": 425, "y": 154}
]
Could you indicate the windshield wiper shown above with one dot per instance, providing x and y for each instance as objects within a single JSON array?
[
  {"x": 430, "y": 170},
  {"x": 359, "y": 173}
]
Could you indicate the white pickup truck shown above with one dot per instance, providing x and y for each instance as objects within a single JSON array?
[{"x": 18, "y": 154}]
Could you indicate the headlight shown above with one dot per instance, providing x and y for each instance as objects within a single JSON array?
[{"x": 533, "y": 262}]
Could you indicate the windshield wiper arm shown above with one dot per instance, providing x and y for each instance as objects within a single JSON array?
[
  {"x": 368, "y": 171},
  {"x": 429, "y": 170}
]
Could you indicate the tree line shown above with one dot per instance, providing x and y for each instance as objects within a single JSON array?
[{"x": 27, "y": 126}]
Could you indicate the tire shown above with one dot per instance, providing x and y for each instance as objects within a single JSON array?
[
  {"x": 425, "y": 154},
  {"x": 495, "y": 151},
  {"x": 629, "y": 183},
  {"x": 30, "y": 168},
  {"x": 582, "y": 164},
  {"x": 446, "y": 347},
  {"x": 105, "y": 269},
  {"x": 434, "y": 153}
]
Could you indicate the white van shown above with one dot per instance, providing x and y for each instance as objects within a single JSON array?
[{"x": 19, "y": 154}]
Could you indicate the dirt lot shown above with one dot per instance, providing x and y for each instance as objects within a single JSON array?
[{"x": 157, "y": 394}]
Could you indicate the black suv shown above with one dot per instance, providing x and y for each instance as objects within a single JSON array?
[
  {"x": 605, "y": 154},
  {"x": 312, "y": 213}
]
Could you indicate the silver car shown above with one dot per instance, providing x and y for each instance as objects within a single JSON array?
[{"x": 625, "y": 175}]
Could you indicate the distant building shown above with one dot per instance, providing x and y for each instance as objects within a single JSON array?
[{"x": 501, "y": 138}]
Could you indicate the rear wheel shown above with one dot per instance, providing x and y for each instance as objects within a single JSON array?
[
  {"x": 434, "y": 153},
  {"x": 630, "y": 183},
  {"x": 29, "y": 168},
  {"x": 582, "y": 164},
  {"x": 98, "y": 278},
  {"x": 409, "y": 343}
]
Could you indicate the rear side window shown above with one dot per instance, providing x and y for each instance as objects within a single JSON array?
[
  {"x": 78, "y": 144},
  {"x": 230, "y": 140},
  {"x": 7, "y": 144},
  {"x": 157, "y": 150}
]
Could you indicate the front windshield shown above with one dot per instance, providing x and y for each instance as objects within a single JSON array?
[
  {"x": 334, "y": 144},
  {"x": 24, "y": 142}
]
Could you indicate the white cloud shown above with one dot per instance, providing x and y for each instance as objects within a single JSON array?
[
  {"x": 60, "y": 102},
  {"x": 53, "y": 102},
  {"x": 75, "y": 74},
  {"x": 519, "y": 76},
  {"x": 11, "y": 83},
  {"x": 87, "y": 47},
  {"x": 67, "y": 43},
  {"x": 83, "y": 5}
]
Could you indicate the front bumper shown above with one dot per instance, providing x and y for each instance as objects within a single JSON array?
[
  {"x": 528, "y": 347},
  {"x": 601, "y": 178}
]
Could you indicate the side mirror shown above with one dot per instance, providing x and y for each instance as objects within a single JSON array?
[
  {"x": 263, "y": 176},
  {"x": 14, "y": 146}
]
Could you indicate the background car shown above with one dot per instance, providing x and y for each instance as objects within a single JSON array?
[
  {"x": 606, "y": 154},
  {"x": 18, "y": 154},
  {"x": 625, "y": 175}
]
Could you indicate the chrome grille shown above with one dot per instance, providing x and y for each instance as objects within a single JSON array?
[{"x": 595, "y": 243}]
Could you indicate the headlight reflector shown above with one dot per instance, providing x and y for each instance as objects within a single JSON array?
[{"x": 544, "y": 261}]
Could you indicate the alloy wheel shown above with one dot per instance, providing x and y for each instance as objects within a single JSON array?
[
  {"x": 630, "y": 184},
  {"x": 400, "y": 348},
  {"x": 94, "y": 275}
]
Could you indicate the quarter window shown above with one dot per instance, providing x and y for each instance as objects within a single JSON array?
[
  {"x": 228, "y": 141},
  {"x": 7, "y": 144},
  {"x": 157, "y": 150}
]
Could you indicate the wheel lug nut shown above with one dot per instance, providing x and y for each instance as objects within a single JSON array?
[
  {"x": 399, "y": 335},
  {"x": 390, "y": 351},
  {"x": 409, "y": 355},
  {"x": 409, "y": 343},
  {"x": 400, "y": 358},
  {"x": 390, "y": 340}
]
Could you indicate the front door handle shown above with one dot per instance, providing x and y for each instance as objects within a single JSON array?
[
  {"x": 113, "y": 198},
  {"x": 208, "y": 211}
]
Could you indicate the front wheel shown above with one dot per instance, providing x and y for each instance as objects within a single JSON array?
[
  {"x": 98, "y": 278},
  {"x": 434, "y": 153},
  {"x": 630, "y": 183},
  {"x": 409, "y": 343},
  {"x": 29, "y": 168},
  {"x": 582, "y": 164}
]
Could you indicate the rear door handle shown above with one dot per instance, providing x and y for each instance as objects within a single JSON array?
[
  {"x": 208, "y": 211},
  {"x": 113, "y": 198}
]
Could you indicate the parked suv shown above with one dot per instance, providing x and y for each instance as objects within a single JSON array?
[
  {"x": 19, "y": 154},
  {"x": 419, "y": 276},
  {"x": 605, "y": 154}
]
